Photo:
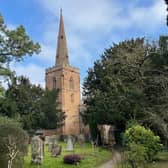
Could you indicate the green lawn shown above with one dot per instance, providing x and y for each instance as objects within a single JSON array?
[
  {"x": 92, "y": 160},
  {"x": 161, "y": 161}
]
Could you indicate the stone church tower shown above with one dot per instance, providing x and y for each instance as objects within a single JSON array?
[{"x": 67, "y": 79}]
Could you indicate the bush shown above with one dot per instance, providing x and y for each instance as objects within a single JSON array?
[
  {"x": 144, "y": 138},
  {"x": 13, "y": 144},
  {"x": 72, "y": 159},
  {"x": 136, "y": 155}
]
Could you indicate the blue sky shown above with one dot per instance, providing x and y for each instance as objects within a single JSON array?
[{"x": 90, "y": 25}]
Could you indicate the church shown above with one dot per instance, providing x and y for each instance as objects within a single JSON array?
[{"x": 66, "y": 78}]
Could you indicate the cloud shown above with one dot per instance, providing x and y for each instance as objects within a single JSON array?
[
  {"x": 106, "y": 15},
  {"x": 34, "y": 72},
  {"x": 11, "y": 26},
  {"x": 148, "y": 18},
  {"x": 90, "y": 26},
  {"x": 47, "y": 54}
]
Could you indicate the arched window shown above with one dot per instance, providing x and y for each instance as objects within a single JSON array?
[
  {"x": 71, "y": 83},
  {"x": 54, "y": 83}
]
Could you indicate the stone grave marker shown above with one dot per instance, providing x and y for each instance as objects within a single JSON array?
[
  {"x": 56, "y": 150},
  {"x": 69, "y": 146},
  {"x": 47, "y": 139},
  {"x": 81, "y": 140},
  {"x": 53, "y": 140},
  {"x": 37, "y": 148}
]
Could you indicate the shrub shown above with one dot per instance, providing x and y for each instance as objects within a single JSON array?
[
  {"x": 136, "y": 155},
  {"x": 13, "y": 144},
  {"x": 72, "y": 159},
  {"x": 145, "y": 138}
]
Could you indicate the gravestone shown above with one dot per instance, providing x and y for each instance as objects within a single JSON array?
[
  {"x": 56, "y": 150},
  {"x": 37, "y": 147},
  {"x": 81, "y": 140},
  {"x": 47, "y": 139},
  {"x": 69, "y": 146},
  {"x": 53, "y": 140}
]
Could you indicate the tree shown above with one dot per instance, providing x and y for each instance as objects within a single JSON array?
[
  {"x": 156, "y": 89},
  {"x": 13, "y": 143},
  {"x": 49, "y": 105},
  {"x": 129, "y": 82},
  {"x": 14, "y": 45},
  {"x": 166, "y": 1},
  {"x": 33, "y": 106},
  {"x": 113, "y": 87}
]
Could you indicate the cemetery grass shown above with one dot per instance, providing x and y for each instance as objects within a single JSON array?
[
  {"x": 91, "y": 159},
  {"x": 161, "y": 161}
]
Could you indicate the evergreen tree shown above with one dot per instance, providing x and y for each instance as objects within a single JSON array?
[
  {"x": 129, "y": 82},
  {"x": 14, "y": 45},
  {"x": 33, "y": 106}
]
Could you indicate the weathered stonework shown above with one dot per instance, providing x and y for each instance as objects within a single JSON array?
[{"x": 67, "y": 79}]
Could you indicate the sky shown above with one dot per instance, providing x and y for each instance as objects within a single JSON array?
[{"x": 91, "y": 26}]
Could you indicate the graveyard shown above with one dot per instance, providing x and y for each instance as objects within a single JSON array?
[
  {"x": 90, "y": 158},
  {"x": 95, "y": 95}
]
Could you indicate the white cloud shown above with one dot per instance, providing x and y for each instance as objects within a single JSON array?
[
  {"x": 11, "y": 26},
  {"x": 148, "y": 18},
  {"x": 87, "y": 24},
  {"x": 105, "y": 15},
  {"x": 48, "y": 53},
  {"x": 34, "y": 72}
]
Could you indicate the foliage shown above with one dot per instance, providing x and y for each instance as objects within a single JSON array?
[
  {"x": 13, "y": 144},
  {"x": 136, "y": 155},
  {"x": 4, "y": 120},
  {"x": 156, "y": 89},
  {"x": 129, "y": 82},
  {"x": 166, "y": 1},
  {"x": 2, "y": 91},
  {"x": 72, "y": 159},
  {"x": 90, "y": 161},
  {"x": 49, "y": 105},
  {"x": 141, "y": 143},
  {"x": 14, "y": 45},
  {"x": 33, "y": 106},
  {"x": 113, "y": 86}
]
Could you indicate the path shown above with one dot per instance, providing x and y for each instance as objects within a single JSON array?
[{"x": 113, "y": 162}]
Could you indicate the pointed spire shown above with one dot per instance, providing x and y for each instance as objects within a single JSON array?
[{"x": 62, "y": 51}]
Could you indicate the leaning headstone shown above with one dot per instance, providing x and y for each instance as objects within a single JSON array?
[
  {"x": 81, "y": 140},
  {"x": 69, "y": 146},
  {"x": 37, "y": 150},
  {"x": 56, "y": 150}
]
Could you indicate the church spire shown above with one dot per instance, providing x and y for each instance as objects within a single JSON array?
[{"x": 62, "y": 51}]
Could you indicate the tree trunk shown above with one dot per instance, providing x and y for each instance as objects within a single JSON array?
[{"x": 9, "y": 163}]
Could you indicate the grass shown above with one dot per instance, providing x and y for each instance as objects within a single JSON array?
[
  {"x": 161, "y": 161},
  {"x": 91, "y": 160}
]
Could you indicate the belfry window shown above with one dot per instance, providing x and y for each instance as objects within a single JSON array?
[
  {"x": 71, "y": 83},
  {"x": 54, "y": 83}
]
